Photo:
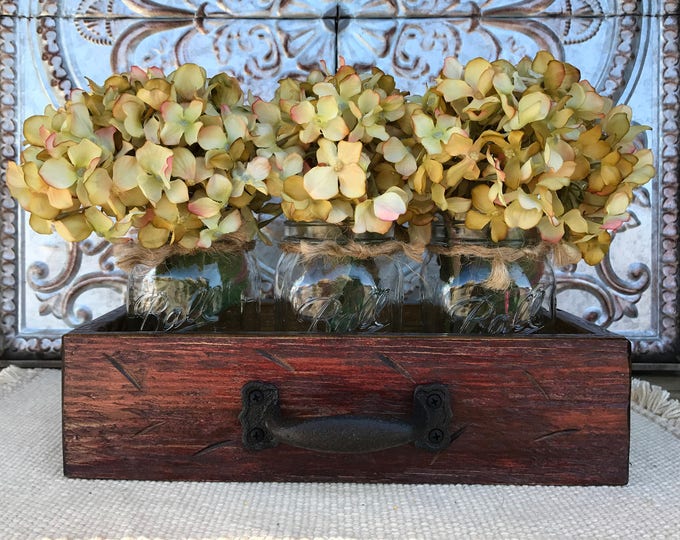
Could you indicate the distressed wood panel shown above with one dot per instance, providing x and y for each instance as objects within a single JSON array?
[{"x": 545, "y": 409}]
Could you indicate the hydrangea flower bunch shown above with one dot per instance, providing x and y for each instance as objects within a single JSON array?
[
  {"x": 168, "y": 158},
  {"x": 340, "y": 144},
  {"x": 185, "y": 159},
  {"x": 530, "y": 145}
]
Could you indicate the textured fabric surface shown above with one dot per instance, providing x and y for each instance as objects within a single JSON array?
[{"x": 36, "y": 501}]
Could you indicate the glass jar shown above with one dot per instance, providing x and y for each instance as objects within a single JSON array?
[
  {"x": 322, "y": 286},
  {"x": 472, "y": 285},
  {"x": 187, "y": 291}
]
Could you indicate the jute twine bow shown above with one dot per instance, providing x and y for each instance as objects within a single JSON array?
[
  {"x": 351, "y": 248},
  {"x": 499, "y": 279},
  {"x": 131, "y": 254}
]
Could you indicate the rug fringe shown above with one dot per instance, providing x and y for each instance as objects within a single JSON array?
[{"x": 656, "y": 402}]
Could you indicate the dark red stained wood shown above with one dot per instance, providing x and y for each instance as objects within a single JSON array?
[{"x": 543, "y": 409}]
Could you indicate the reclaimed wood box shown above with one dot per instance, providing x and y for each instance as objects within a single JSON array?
[{"x": 549, "y": 408}]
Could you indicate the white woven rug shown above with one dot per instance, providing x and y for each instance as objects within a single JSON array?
[{"x": 36, "y": 501}]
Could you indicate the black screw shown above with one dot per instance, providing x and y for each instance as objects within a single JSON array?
[
  {"x": 256, "y": 396},
  {"x": 435, "y": 436},
  {"x": 434, "y": 401},
  {"x": 256, "y": 435}
]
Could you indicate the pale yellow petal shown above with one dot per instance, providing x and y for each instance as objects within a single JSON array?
[
  {"x": 73, "y": 228},
  {"x": 335, "y": 129},
  {"x": 58, "y": 173},
  {"x": 352, "y": 180},
  {"x": 178, "y": 192},
  {"x": 152, "y": 237},
  {"x": 321, "y": 183},
  {"x": 518, "y": 216},
  {"x": 349, "y": 152}
]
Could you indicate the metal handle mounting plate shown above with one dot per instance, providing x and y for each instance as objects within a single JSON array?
[{"x": 264, "y": 426}]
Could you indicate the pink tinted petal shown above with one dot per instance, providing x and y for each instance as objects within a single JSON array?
[
  {"x": 388, "y": 206},
  {"x": 259, "y": 168},
  {"x": 614, "y": 223},
  {"x": 172, "y": 112},
  {"x": 302, "y": 113},
  {"x": 453, "y": 69},
  {"x": 204, "y": 207}
]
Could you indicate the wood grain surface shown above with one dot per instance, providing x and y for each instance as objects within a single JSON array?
[{"x": 543, "y": 409}]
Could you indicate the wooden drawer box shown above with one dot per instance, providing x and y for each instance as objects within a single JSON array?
[{"x": 549, "y": 408}]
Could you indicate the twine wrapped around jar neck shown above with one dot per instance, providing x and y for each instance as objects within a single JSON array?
[
  {"x": 352, "y": 248},
  {"x": 337, "y": 241},
  {"x": 131, "y": 254},
  {"x": 499, "y": 255}
]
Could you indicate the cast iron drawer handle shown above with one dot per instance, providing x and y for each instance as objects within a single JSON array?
[{"x": 265, "y": 427}]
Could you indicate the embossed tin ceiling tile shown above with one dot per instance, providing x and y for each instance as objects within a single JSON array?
[
  {"x": 511, "y": 8},
  {"x": 257, "y": 51},
  {"x": 151, "y": 9},
  {"x": 669, "y": 7},
  {"x": 15, "y": 8},
  {"x": 67, "y": 284},
  {"x": 661, "y": 7},
  {"x": 377, "y": 8},
  {"x": 414, "y": 49},
  {"x": 355, "y": 9}
]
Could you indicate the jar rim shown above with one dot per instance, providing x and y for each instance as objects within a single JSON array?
[
  {"x": 320, "y": 231},
  {"x": 443, "y": 233}
]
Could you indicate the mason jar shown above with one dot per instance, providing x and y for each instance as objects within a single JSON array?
[
  {"x": 472, "y": 285},
  {"x": 190, "y": 290},
  {"x": 331, "y": 280}
]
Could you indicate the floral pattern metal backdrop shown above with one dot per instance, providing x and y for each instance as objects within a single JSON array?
[{"x": 628, "y": 49}]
